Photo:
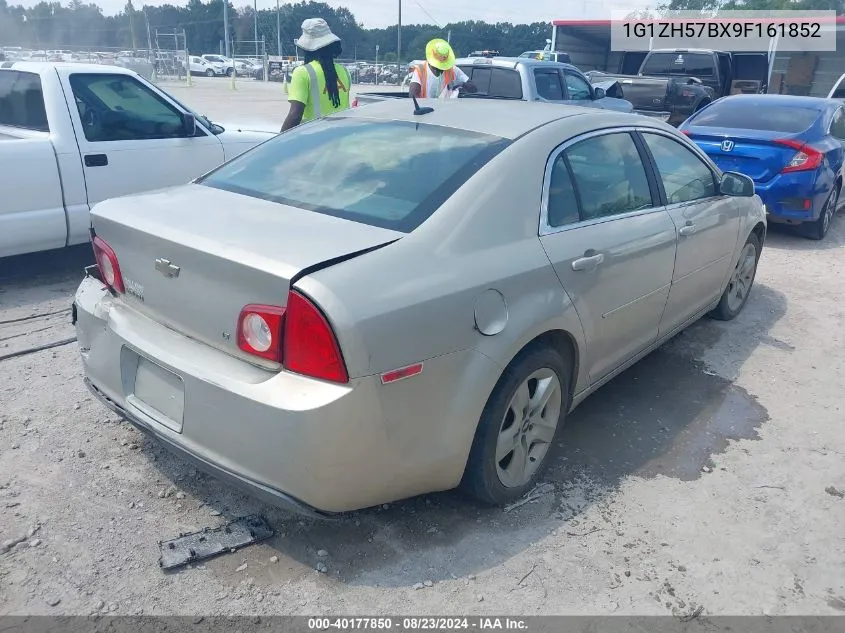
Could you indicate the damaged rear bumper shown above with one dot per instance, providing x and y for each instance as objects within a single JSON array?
[{"x": 265, "y": 493}]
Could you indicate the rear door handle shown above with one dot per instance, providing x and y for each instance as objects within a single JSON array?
[
  {"x": 96, "y": 160},
  {"x": 587, "y": 263},
  {"x": 687, "y": 230}
]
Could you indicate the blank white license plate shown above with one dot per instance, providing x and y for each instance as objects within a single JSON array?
[{"x": 159, "y": 393}]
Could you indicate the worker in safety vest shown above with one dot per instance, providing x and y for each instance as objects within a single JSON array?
[
  {"x": 320, "y": 86},
  {"x": 438, "y": 77}
]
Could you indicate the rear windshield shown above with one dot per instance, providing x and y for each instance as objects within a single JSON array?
[
  {"x": 389, "y": 174},
  {"x": 743, "y": 115},
  {"x": 693, "y": 64}
]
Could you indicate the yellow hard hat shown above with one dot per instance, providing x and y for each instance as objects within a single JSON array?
[{"x": 439, "y": 53}]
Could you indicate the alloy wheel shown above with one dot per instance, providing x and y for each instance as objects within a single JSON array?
[
  {"x": 528, "y": 428},
  {"x": 742, "y": 278}
]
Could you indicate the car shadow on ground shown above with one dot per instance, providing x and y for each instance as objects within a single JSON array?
[
  {"x": 46, "y": 267},
  {"x": 789, "y": 238},
  {"x": 669, "y": 415}
]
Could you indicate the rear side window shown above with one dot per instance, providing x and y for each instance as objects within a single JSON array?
[
  {"x": 22, "y": 101},
  {"x": 609, "y": 176},
  {"x": 389, "y": 174},
  {"x": 505, "y": 84},
  {"x": 756, "y": 115},
  {"x": 548, "y": 83}
]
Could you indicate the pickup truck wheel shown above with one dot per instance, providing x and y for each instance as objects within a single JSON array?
[
  {"x": 818, "y": 230},
  {"x": 209, "y": 73},
  {"x": 742, "y": 279},
  {"x": 518, "y": 426},
  {"x": 229, "y": 72}
]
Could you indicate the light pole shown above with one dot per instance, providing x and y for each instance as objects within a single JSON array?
[
  {"x": 278, "y": 30},
  {"x": 399, "y": 37},
  {"x": 255, "y": 5},
  {"x": 377, "y": 64},
  {"x": 226, "y": 26}
]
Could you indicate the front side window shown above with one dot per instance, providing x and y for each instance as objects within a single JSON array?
[
  {"x": 389, "y": 174},
  {"x": 578, "y": 89},
  {"x": 120, "y": 108},
  {"x": 685, "y": 176},
  {"x": 22, "y": 101},
  {"x": 609, "y": 176}
]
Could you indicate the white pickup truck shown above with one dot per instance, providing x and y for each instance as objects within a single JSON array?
[{"x": 72, "y": 135}]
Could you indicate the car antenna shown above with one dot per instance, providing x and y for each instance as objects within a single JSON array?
[{"x": 418, "y": 111}]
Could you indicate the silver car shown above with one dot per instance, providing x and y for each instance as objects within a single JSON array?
[{"x": 381, "y": 304}]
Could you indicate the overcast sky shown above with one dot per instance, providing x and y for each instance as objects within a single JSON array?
[{"x": 377, "y": 13}]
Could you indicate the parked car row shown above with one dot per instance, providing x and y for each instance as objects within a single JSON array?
[{"x": 527, "y": 79}]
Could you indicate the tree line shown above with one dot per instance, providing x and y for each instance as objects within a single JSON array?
[{"x": 51, "y": 25}]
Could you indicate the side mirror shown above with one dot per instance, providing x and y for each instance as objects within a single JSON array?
[
  {"x": 599, "y": 93},
  {"x": 189, "y": 124},
  {"x": 738, "y": 185}
]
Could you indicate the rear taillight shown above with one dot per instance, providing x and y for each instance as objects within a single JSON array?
[
  {"x": 107, "y": 263},
  {"x": 355, "y": 102},
  {"x": 310, "y": 346},
  {"x": 686, "y": 132},
  {"x": 806, "y": 158},
  {"x": 298, "y": 336},
  {"x": 260, "y": 331}
]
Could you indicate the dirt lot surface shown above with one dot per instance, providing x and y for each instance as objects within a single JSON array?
[{"x": 710, "y": 475}]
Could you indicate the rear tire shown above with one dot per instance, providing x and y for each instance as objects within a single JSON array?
[
  {"x": 229, "y": 72},
  {"x": 742, "y": 280},
  {"x": 818, "y": 229},
  {"x": 518, "y": 426}
]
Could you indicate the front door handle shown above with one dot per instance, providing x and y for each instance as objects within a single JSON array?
[
  {"x": 687, "y": 230},
  {"x": 96, "y": 160},
  {"x": 588, "y": 262}
]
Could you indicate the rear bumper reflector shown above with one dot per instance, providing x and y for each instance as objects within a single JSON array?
[{"x": 401, "y": 374}]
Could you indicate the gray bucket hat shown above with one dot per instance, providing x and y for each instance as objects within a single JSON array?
[{"x": 316, "y": 34}]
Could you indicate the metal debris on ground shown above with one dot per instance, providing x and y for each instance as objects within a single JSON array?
[
  {"x": 536, "y": 493},
  {"x": 189, "y": 548}
]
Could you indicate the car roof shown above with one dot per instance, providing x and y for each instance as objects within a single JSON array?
[
  {"x": 508, "y": 119},
  {"x": 794, "y": 101},
  {"x": 45, "y": 67},
  {"x": 511, "y": 62}
]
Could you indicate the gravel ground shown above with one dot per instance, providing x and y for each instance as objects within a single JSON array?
[{"x": 710, "y": 475}]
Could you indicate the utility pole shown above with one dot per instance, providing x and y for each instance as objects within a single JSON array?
[
  {"x": 278, "y": 30},
  {"x": 132, "y": 26},
  {"x": 226, "y": 25},
  {"x": 149, "y": 37},
  {"x": 255, "y": 4},
  {"x": 399, "y": 37}
]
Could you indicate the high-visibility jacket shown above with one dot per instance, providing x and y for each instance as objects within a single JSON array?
[{"x": 422, "y": 74}]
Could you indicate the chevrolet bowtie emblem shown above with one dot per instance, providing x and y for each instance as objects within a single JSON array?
[{"x": 166, "y": 268}]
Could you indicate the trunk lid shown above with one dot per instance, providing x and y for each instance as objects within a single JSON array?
[
  {"x": 230, "y": 250},
  {"x": 755, "y": 153}
]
